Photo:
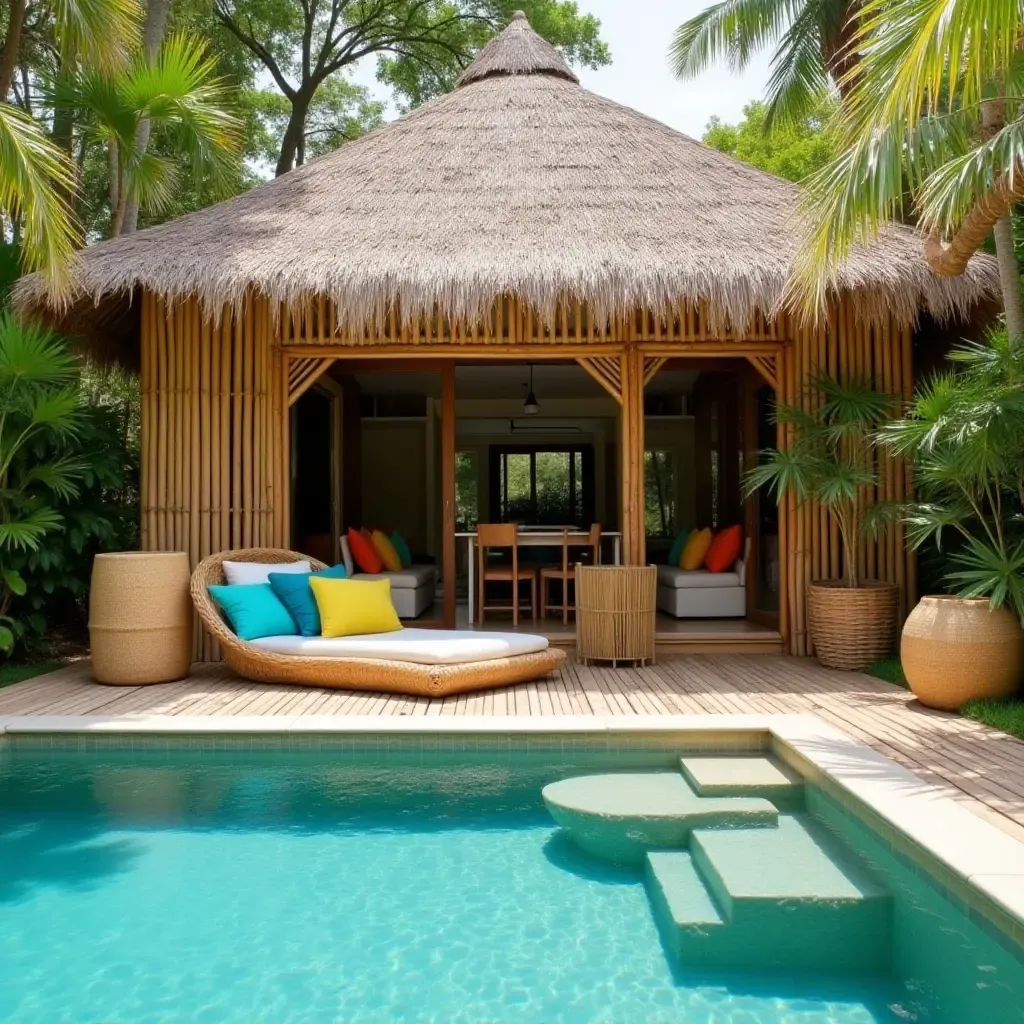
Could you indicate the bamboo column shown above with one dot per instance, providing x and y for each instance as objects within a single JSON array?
[{"x": 631, "y": 456}]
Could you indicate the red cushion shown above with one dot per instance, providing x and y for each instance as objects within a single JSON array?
[
  {"x": 724, "y": 550},
  {"x": 364, "y": 553}
]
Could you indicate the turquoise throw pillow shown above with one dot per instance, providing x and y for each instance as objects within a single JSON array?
[
  {"x": 404, "y": 555},
  {"x": 676, "y": 551},
  {"x": 253, "y": 610},
  {"x": 295, "y": 593}
]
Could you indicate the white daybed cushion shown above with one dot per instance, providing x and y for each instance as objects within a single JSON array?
[
  {"x": 246, "y": 573},
  {"x": 669, "y": 576},
  {"x": 420, "y": 646}
]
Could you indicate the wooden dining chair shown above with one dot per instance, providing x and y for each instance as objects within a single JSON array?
[
  {"x": 566, "y": 572},
  {"x": 503, "y": 537}
]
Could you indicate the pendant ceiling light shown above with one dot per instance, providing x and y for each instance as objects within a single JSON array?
[{"x": 531, "y": 406}]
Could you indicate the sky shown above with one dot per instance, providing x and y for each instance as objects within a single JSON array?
[{"x": 638, "y": 33}]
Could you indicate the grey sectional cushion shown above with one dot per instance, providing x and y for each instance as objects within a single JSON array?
[
  {"x": 408, "y": 579},
  {"x": 670, "y": 576}
]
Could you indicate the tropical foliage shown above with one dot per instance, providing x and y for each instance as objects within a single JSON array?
[
  {"x": 932, "y": 128},
  {"x": 830, "y": 458},
  {"x": 965, "y": 435},
  {"x": 39, "y": 413},
  {"x": 792, "y": 150}
]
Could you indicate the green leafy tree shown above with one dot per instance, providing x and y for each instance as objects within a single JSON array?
[
  {"x": 810, "y": 43},
  {"x": 421, "y": 45},
  {"x": 965, "y": 434},
  {"x": 830, "y": 459},
  {"x": 39, "y": 404},
  {"x": 792, "y": 150}
]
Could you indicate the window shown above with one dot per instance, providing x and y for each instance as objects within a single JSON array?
[
  {"x": 466, "y": 484},
  {"x": 543, "y": 486},
  {"x": 660, "y": 492}
]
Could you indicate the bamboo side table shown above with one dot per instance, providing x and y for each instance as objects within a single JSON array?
[
  {"x": 140, "y": 617},
  {"x": 615, "y": 613}
]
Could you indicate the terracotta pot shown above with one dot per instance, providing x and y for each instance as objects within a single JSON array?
[
  {"x": 955, "y": 649},
  {"x": 140, "y": 617},
  {"x": 851, "y": 627}
]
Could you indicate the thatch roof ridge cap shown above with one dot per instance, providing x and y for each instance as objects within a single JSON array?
[{"x": 517, "y": 50}]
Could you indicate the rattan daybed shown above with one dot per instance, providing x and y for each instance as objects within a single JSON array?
[{"x": 350, "y": 673}]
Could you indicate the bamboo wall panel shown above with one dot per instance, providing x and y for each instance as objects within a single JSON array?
[
  {"x": 846, "y": 349},
  {"x": 212, "y": 454}
]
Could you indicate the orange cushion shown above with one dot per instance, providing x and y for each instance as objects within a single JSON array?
[
  {"x": 386, "y": 550},
  {"x": 724, "y": 550},
  {"x": 697, "y": 545},
  {"x": 364, "y": 553}
]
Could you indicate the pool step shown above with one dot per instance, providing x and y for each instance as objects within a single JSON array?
[
  {"x": 787, "y": 897},
  {"x": 621, "y": 817},
  {"x": 744, "y": 776}
]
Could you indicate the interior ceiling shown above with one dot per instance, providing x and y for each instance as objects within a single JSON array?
[{"x": 503, "y": 380}]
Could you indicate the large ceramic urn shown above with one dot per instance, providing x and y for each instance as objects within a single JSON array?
[
  {"x": 140, "y": 617},
  {"x": 956, "y": 649}
]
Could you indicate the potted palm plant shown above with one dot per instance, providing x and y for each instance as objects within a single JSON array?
[
  {"x": 965, "y": 434},
  {"x": 831, "y": 460}
]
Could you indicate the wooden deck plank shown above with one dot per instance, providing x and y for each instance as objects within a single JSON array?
[{"x": 978, "y": 766}]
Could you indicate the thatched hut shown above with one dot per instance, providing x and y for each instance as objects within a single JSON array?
[{"x": 519, "y": 218}]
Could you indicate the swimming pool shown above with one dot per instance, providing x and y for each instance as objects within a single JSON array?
[{"x": 388, "y": 885}]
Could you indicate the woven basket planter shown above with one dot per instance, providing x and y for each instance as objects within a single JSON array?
[
  {"x": 615, "y": 612},
  {"x": 140, "y": 617},
  {"x": 955, "y": 649},
  {"x": 851, "y": 627}
]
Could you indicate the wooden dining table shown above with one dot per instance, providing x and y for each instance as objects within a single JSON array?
[{"x": 537, "y": 537}]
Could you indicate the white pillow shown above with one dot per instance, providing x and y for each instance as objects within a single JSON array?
[{"x": 243, "y": 573}]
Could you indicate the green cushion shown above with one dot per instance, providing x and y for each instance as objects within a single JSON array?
[
  {"x": 676, "y": 551},
  {"x": 253, "y": 610},
  {"x": 402, "y": 548},
  {"x": 295, "y": 593}
]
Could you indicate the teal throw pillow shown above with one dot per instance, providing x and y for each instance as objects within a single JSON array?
[
  {"x": 676, "y": 551},
  {"x": 295, "y": 593},
  {"x": 253, "y": 610},
  {"x": 404, "y": 555}
]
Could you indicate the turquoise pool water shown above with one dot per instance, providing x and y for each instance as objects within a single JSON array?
[{"x": 350, "y": 888}]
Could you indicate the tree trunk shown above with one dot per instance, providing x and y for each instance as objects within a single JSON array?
[
  {"x": 12, "y": 46},
  {"x": 293, "y": 135},
  {"x": 152, "y": 40},
  {"x": 1009, "y": 279}
]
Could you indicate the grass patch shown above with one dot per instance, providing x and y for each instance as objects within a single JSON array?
[
  {"x": 17, "y": 673},
  {"x": 1005, "y": 715},
  {"x": 889, "y": 670}
]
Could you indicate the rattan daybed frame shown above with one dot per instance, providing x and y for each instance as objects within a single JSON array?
[{"x": 350, "y": 673}]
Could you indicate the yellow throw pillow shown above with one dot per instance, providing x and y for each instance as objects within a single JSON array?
[
  {"x": 354, "y": 607},
  {"x": 388, "y": 555},
  {"x": 697, "y": 545}
]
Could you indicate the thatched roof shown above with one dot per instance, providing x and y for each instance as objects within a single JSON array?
[{"x": 518, "y": 182}]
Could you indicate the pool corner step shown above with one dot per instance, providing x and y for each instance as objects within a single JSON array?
[
  {"x": 768, "y": 899},
  {"x": 743, "y": 776}
]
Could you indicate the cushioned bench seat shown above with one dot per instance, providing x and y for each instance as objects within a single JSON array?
[
  {"x": 669, "y": 576},
  {"x": 700, "y": 594},
  {"x": 418, "y": 646}
]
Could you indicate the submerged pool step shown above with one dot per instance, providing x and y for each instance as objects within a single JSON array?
[
  {"x": 787, "y": 897},
  {"x": 764, "y": 777},
  {"x": 621, "y": 817}
]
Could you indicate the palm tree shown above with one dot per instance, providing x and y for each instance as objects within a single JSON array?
[
  {"x": 810, "y": 39},
  {"x": 178, "y": 94},
  {"x": 36, "y": 177},
  {"x": 935, "y": 108}
]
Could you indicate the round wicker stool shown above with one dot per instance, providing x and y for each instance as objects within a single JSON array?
[
  {"x": 615, "y": 611},
  {"x": 140, "y": 617}
]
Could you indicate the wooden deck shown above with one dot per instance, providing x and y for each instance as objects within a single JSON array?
[{"x": 981, "y": 767}]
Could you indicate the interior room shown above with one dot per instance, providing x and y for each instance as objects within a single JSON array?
[{"x": 537, "y": 445}]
